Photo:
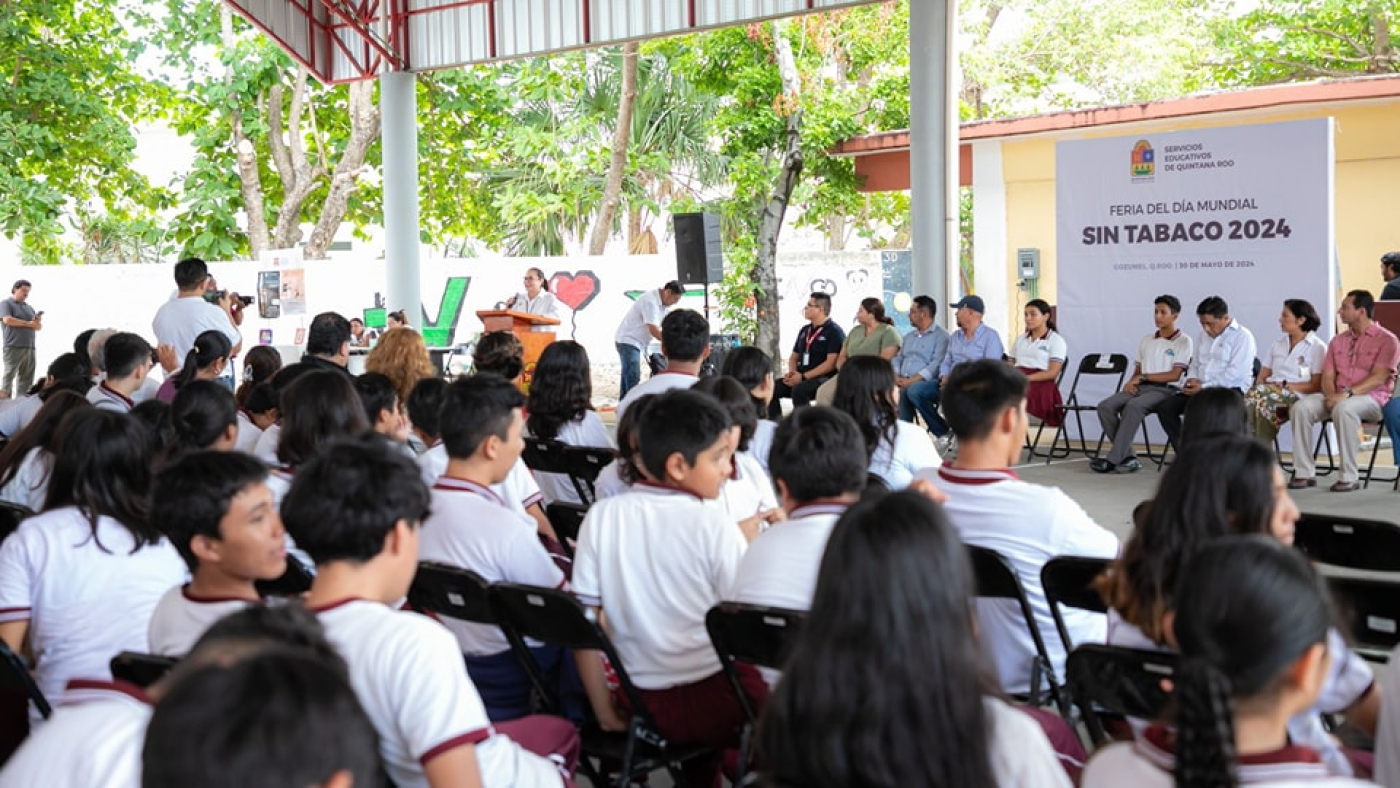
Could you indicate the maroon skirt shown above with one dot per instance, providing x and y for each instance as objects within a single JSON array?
[{"x": 1041, "y": 399}]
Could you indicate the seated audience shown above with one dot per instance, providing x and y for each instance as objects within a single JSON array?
[
  {"x": 1041, "y": 353},
  {"x": 813, "y": 359},
  {"x": 1252, "y": 623},
  {"x": 126, "y": 358},
  {"x": 618, "y": 476},
  {"x": 357, "y": 511},
  {"x": 873, "y": 335},
  {"x": 819, "y": 465},
  {"x": 403, "y": 358},
  {"x": 1213, "y": 412},
  {"x": 424, "y": 402},
  {"x": 256, "y": 415},
  {"x": 1162, "y": 358},
  {"x": 95, "y": 734},
  {"x": 318, "y": 408},
  {"x": 918, "y": 360},
  {"x": 753, "y": 368},
  {"x": 747, "y": 496},
  {"x": 898, "y": 449},
  {"x": 1027, "y": 524},
  {"x": 1358, "y": 375},
  {"x": 1223, "y": 357},
  {"x": 80, "y": 580},
  {"x": 207, "y": 360},
  {"x": 1218, "y": 486},
  {"x": 685, "y": 342},
  {"x": 383, "y": 408},
  {"x": 203, "y": 416},
  {"x": 653, "y": 561},
  {"x": 481, "y": 427},
  {"x": 154, "y": 417},
  {"x": 886, "y": 683},
  {"x": 561, "y": 409},
  {"x": 216, "y": 508},
  {"x": 68, "y": 371},
  {"x": 1292, "y": 368},
  {"x": 973, "y": 340},
  {"x": 26, "y": 461},
  {"x": 281, "y": 719},
  {"x": 259, "y": 365}
]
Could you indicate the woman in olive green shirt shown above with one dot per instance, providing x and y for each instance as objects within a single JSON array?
[{"x": 873, "y": 335}]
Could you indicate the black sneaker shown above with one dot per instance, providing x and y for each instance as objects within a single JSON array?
[
  {"x": 1100, "y": 465},
  {"x": 1130, "y": 465}
]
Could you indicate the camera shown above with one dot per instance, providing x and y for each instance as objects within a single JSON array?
[{"x": 215, "y": 296}]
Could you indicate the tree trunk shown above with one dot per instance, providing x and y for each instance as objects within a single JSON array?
[
  {"x": 617, "y": 167},
  {"x": 249, "y": 181},
  {"x": 771, "y": 222},
  {"x": 364, "y": 130},
  {"x": 299, "y": 178}
]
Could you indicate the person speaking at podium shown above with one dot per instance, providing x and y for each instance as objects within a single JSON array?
[{"x": 536, "y": 300}]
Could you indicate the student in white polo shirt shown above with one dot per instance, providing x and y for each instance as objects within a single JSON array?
[
  {"x": 127, "y": 358},
  {"x": 1162, "y": 358},
  {"x": 748, "y": 494},
  {"x": 81, "y": 579},
  {"x": 685, "y": 342},
  {"x": 95, "y": 734},
  {"x": 818, "y": 463},
  {"x": 984, "y": 403},
  {"x": 218, "y": 511},
  {"x": 472, "y": 528},
  {"x": 654, "y": 561},
  {"x": 898, "y": 449},
  {"x": 1251, "y": 620},
  {"x": 357, "y": 510}
]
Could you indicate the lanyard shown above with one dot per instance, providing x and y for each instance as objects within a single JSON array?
[{"x": 813, "y": 335}]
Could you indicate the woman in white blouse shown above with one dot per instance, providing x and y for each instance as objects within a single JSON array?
[
  {"x": 1040, "y": 354},
  {"x": 560, "y": 408},
  {"x": 536, "y": 300},
  {"x": 1292, "y": 369},
  {"x": 898, "y": 450}
]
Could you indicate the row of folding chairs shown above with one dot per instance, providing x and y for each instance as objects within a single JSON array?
[{"x": 581, "y": 464}]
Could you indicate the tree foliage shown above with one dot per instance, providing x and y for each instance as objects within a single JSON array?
[{"x": 1288, "y": 40}]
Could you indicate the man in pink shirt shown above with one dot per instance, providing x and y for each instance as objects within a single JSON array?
[{"x": 1357, "y": 378}]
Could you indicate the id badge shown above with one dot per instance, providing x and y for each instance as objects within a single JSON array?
[{"x": 805, "y": 359}]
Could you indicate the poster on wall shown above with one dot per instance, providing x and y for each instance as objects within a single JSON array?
[
  {"x": 287, "y": 264},
  {"x": 1242, "y": 212}
]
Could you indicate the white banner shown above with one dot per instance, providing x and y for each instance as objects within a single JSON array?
[{"x": 1243, "y": 212}]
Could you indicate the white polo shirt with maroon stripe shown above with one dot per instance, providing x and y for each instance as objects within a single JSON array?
[
  {"x": 1028, "y": 524},
  {"x": 1157, "y": 354},
  {"x": 1149, "y": 761},
  {"x": 181, "y": 618},
  {"x": 94, "y": 737},
  {"x": 472, "y": 528},
  {"x": 410, "y": 678},
  {"x": 780, "y": 567},
  {"x": 656, "y": 559}
]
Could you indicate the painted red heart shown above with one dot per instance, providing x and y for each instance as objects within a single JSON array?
[{"x": 576, "y": 289}]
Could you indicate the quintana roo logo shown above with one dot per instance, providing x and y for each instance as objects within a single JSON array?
[{"x": 1144, "y": 161}]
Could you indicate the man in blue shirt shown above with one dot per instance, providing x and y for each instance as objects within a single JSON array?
[
  {"x": 972, "y": 341},
  {"x": 918, "y": 360}
]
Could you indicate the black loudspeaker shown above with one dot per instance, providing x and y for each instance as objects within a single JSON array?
[{"x": 699, "y": 251}]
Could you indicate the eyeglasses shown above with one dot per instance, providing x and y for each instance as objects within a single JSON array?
[{"x": 810, "y": 306}]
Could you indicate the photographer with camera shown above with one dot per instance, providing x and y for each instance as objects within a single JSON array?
[{"x": 198, "y": 307}]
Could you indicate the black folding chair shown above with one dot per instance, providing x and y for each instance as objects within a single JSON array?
[
  {"x": 1124, "y": 682},
  {"x": 143, "y": 670},
  {"x": 14, "y": 674},
  {"x": 1092, "y": 365},
  {"x": 756, "y": 635},
  {"x": 11, "y": 515},
  {"x": 1069, "y": 581},
  {"x": 1351, "y": 542},
  {"x": 581, "y": 464},
  {"x": 997, "y": 579},
  {"x": 452, "y": 592},
  {"x": 566, "y": 518},
  {"x": 293, "y": 582},
  {"x": 556, "y": 618},
  {"x": 1372, "y": 610}
]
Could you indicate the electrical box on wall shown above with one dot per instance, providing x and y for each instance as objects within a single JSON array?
[{"x": 1028, "y": 260}]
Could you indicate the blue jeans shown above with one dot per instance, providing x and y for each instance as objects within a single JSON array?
[
  {"x": 1391, "y": 415},
  {"x": 631, "y": 367},
  {"x": 923, "y": 397}
]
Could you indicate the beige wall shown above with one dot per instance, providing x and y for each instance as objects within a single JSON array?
[{"x": 1367, "y": 140}]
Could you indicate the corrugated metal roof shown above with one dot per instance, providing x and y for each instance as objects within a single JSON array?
[{"x": 343, "y": 41}]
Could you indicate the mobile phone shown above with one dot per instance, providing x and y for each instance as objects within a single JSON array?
[{"x": 39, "y": 314}]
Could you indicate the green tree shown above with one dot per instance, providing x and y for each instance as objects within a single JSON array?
[{"x": 1288, "y": 40}]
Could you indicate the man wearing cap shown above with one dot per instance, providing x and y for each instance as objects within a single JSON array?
[
  {"x": 20, "y": 322},
  {"x": 972, "y": 341}
]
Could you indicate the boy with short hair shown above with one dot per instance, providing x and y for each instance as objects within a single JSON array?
[
  {"x": 217, "y": 510},
  {"x": 424, "y": 404},
  {"x": 357, "y": 510},
  {"x": 654, "y": 560},
  {"x": 472, "y": 528},
  {"x": 382, "y": 406},
  {"x": 819, "y": 467},
  {"x": 127, "y": 359}
]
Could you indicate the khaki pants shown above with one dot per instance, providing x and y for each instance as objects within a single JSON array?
[{"x": 1347, "y": 416}]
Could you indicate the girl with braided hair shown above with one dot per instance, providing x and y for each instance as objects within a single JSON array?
[{"x": 1251, "y": 623}]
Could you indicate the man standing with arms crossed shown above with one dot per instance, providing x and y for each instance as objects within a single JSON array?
[{"x": 20, "y": 322}]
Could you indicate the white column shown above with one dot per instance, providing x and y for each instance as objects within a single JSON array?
[
  {"x": 933, "y": 149},
  {"x": 398, "y": 103},
  {"x": 989, "y": 251}
]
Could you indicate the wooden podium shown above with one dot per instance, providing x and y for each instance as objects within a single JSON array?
[{"x": 523, "y": 326}]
